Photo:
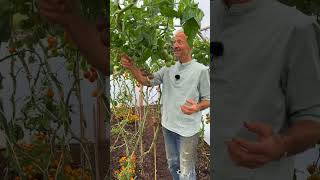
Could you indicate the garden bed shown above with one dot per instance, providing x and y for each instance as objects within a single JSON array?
[
  {"x": 72, "y": 169},
  {"x": 146, "y": 170}
]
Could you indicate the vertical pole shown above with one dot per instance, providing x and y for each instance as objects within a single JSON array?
[
  {"x": 141, "y": 115},
  {"x": 101, "y": 138}
]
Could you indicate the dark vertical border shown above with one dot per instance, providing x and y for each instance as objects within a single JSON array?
[
  {"x": 108, "y": 115},
  {"x": 211, "y": 91}
]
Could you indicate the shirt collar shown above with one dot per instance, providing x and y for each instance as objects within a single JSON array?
[
  {"x": 185, "y": 64},
  {"x": 242, "y": 8}
]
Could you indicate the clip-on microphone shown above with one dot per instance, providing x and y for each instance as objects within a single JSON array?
[{"x": 216, "y": 48}]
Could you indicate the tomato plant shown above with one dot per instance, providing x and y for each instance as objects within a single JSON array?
[
  {"x": 34, "y": 46},
  {"x": 313, "y": 168},
  {"x": 144, "y": 29}
]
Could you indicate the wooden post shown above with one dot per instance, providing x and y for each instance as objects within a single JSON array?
[{"x": 102, "y": 150}]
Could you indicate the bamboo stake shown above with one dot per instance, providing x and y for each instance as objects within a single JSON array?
[
  {"x": 155, "y": 150},
  {"x": 96, "y": 152},
  {"x": 141, "y": 110},
  {"x": 82, "y": 119}
]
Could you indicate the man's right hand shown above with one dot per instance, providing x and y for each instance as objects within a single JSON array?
[
  {"x": 141, "y": 75},
  {"x": 58, "y": 11},
  {"x": 127, "y": 62}
]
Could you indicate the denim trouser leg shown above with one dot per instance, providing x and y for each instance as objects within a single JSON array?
[
  {"x": 172, "y": 152},
  {"x": 188, "y": 155},
  {"x": 181, "y": 155}
]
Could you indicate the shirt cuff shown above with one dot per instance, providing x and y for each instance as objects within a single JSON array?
[{"x": 312, "y": 114}]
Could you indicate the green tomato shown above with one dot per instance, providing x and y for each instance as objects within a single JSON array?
[
  {"x": 55, "y": 52},
  {"x": 70, "y": 67},
  {"x": 116, "y": 68},
  {"x": 164, "y": 55},
  {"x": 17, "y": 19}
]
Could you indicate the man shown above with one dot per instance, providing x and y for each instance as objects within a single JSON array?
[
  {"x": 185, "y": 93},
  {"x": 266, "y": 89},
  {"x": 91, "y": 42}
]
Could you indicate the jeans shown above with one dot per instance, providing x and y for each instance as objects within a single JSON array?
[{"x": 181, "y": 154}]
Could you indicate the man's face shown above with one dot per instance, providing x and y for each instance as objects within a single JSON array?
[{"x": 181, "y": 47}]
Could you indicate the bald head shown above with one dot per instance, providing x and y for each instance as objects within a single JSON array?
[{"x": 181, "y": 48}]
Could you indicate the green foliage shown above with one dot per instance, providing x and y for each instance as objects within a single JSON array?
[
  {"x": 191, "y": 20},
  {"x": 143, "y": 29},
  {"x": 16, "y": 132},
  {"x": 201, "y": 51},
  {"x": 33, "y": 41}
]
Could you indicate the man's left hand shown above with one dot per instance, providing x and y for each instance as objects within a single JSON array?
[
  {"x": 269, "y": 147},
  {"x": 190, "y": 109}
]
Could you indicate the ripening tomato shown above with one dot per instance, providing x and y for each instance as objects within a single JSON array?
[
  {"x": 50, "y": 93},
  {"x": 52, "y": 42},
  {"x": 12, "y": 50},
  {"x": 95, "y": 93}
]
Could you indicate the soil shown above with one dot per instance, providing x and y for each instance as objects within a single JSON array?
[{"x": 146, "y": 169}]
